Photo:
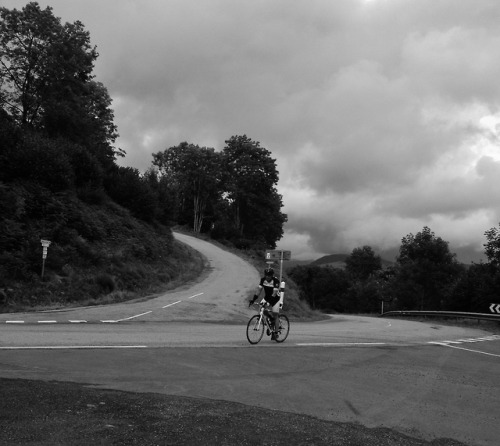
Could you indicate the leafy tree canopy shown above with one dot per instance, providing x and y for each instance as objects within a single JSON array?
[
  {"x": 362, "y": 262},
  {"x": 194, "y": 174},
  {"x": 235, "y": 190},
  {"x": 492, "y": 246},
  {"x": 425, "y": 247},
  {"x": 426, "y": 268},
  {"x": 250, "y": 191},
  {"x": 46, "y": 79}
]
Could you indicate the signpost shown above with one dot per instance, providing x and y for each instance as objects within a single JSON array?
[
  {"x": 45, "y": 245},
  {"x": 278, "y": 254}
]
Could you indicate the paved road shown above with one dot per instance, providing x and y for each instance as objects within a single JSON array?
[{"x": 425, "y": 380}]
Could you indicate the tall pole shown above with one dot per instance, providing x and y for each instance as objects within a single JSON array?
[{"x": 281, "y": 266}]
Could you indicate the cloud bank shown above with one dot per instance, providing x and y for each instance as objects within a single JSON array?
[{"x": 383, "y": 115}]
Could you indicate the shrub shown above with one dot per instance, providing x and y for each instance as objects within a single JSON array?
[{"x": 106, "y": 283}]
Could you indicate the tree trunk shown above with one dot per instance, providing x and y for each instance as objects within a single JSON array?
[{"x": 199, "y": 208}]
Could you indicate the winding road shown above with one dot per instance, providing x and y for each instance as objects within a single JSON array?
[{"x": 423, "y": 379}]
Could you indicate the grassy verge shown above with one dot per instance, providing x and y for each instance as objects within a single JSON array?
[{"x": 98, "y": 255}]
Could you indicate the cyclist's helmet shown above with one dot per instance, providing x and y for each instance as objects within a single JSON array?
[{"x": 269, "y": 272}]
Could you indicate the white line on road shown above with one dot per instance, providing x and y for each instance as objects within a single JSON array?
[
  {"x": 196, "y": 295},
  {"x": 337, "y": 344},
  {"x": 466, "y": 349},
  {"x": 108, "y": 321},
  {"x": 169, "y": 305},
  {"x": 64, "y": 347},
  {"x": 133, "y": 317}
]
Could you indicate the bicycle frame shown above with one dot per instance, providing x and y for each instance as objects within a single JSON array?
[
  {"x": 257, "y": 324},
  {"x": 264, "y": 318}
]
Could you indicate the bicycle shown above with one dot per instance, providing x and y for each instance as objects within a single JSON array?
[{"x": 261, "y": 321}]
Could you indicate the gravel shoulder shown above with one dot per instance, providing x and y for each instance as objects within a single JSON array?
[{"x": 58, "y": 413}]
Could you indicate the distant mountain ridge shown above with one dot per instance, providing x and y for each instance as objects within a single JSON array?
[
  {"x": 331, "y": 259},
  {"x": 338, "y": 261}
]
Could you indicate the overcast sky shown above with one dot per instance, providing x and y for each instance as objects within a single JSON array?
[{"x": 383, "y": 115}]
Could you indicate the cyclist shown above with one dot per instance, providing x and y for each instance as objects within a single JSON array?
[{"x": 270, "y": 284}]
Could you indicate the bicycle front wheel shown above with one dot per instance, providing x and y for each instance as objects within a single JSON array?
[
  {"x": 255, "y": 330},
  {"x": 284, "y": 328}
]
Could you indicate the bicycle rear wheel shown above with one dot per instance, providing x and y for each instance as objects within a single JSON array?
[
  {"x": 284, "y": 328},
  {"x": 255, "y": 331}
]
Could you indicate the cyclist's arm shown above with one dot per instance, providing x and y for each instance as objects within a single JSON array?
[
  {"x": 256, "y": 295},
  {"x": 276, "y": 288}
]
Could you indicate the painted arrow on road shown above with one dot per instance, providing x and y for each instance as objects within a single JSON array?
[{"x": 495, "y": 308}]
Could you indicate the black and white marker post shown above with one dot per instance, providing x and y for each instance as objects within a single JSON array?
[{"x": 45, "y": 245}]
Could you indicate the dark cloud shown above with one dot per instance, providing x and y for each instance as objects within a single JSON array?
[{"x": 383, "y": 115}]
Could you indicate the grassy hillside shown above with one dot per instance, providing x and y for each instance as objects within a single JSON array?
[{"x": 99, "y": 252}]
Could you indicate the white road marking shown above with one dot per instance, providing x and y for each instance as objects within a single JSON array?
[
  {"x": 169, "y": 305},
  {"x": 196, "y": 295},
  {"x": 467, "y": 349},
  {"x": 108, "y": 321},
  {"x": 332, "y": 344},
  {"x": 461, "y": 341},
  {"x": 132, "y": 317},
  {"x": 64, "y": 347},
  {"x": 451, "y": 344}
]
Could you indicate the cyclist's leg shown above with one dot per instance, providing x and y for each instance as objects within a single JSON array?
[{"x": 276, "y": 310}]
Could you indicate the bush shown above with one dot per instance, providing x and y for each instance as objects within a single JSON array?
[{"x": 106, "y": 283}]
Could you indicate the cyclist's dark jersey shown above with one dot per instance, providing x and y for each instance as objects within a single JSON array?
[{"x": 269, "y": 286}]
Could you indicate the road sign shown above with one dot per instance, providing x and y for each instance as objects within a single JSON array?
[
  {"x": 278, "y": 254},
  {"x": 45, "y": 243},
  {"x": 495, "y": 308}
]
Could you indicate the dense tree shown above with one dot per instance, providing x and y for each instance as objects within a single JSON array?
[
  {"x": 477, "y": 289},
  {"x": 235, "y": 190},
  {"x": 479, "y": 286},
  {"x": 166, "y": 211},
  {"x": 194, "y": 174},
  {"x": 492, "y": 246},
  {"x": 426, "y": 271},
  {"x": 362, "y": 262},
  {"x": 252, "y": 201},
  {"x": 46, "y": 80},
  {"x": 323, "y": 288},
  {"x": 127, "y": 187}
]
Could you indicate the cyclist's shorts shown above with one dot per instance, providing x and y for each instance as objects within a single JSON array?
[{"x": 274, "y": 302}]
